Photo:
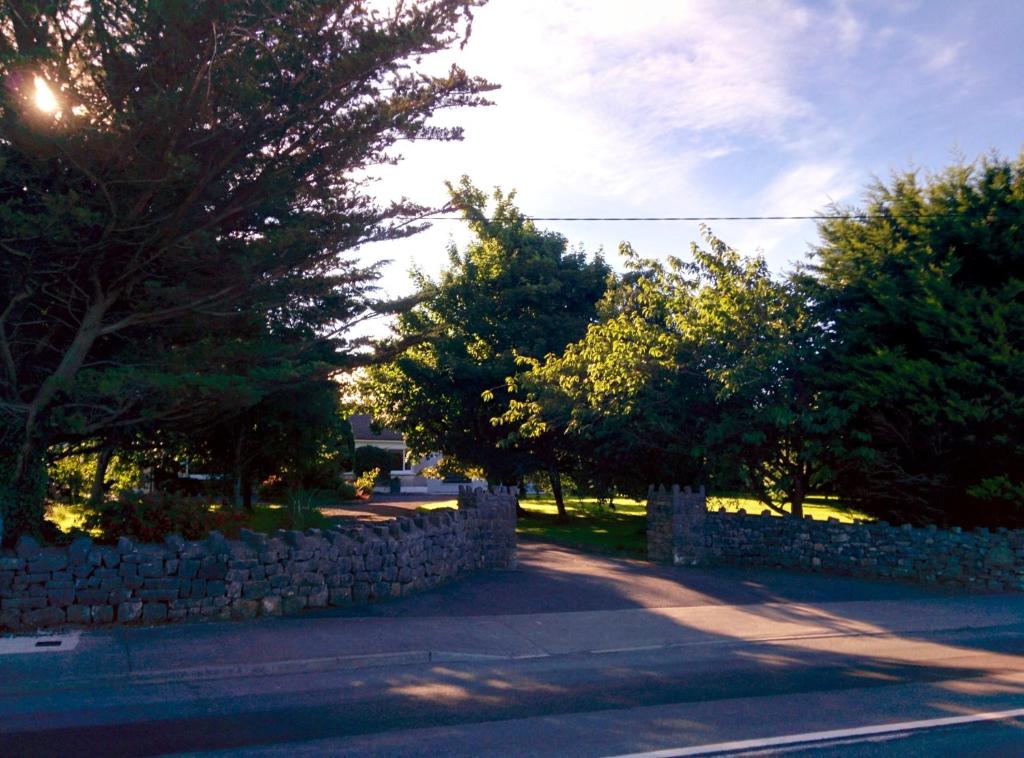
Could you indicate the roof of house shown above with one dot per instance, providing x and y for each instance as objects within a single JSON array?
[{"x": 362, "y": 429}]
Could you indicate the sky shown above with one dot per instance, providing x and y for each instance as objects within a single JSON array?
[{"x": 712, "y": 108}]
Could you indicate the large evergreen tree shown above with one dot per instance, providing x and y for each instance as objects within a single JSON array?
[
  {"x": 924, "y": 296},
  {"x": 180, "y": 182}
]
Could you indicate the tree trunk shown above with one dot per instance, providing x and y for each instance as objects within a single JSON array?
[
  {"x": 23, "y": 496},
  {"x": 100, "y": 477},
  {"x": 247, "y": 494},
  {"x": 521, "y": 487},
  {"x": 556, "y": 490},
  {"x": 236, "y": 494},
  {"x": 798, "y": 495}
]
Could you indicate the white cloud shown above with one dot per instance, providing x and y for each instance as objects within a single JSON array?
[{"x": 623, "y": 109}]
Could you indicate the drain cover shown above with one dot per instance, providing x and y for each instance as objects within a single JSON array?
[{"x": 50, "y": 643}]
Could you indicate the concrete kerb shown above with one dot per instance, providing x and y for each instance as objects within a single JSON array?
[{"x": 564, "y": 635}]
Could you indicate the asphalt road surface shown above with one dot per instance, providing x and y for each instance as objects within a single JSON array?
[{"x": 751, "y": 656}]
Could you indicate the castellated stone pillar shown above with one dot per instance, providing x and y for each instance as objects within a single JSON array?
[{"x": 675, "y": 525}]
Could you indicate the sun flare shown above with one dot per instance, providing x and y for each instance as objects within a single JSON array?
[{"x": 45, "y": 100}]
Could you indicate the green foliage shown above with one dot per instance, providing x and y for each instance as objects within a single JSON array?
[
  {"x": 514, "y": 291},
  {"x": 177, "y": 236},
  {"x": 71, "y": 476},
  {"x": 371, "y": 457},
  {"x": 299, "y": 435},
  {"x": 924, "y": 298},
  {"x": 366, "y": 481},
  {"x": 697, "y": 371},
  {"x": 152, "y": 517}
]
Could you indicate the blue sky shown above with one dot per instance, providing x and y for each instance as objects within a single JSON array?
[{"x": 716, "y": 107}]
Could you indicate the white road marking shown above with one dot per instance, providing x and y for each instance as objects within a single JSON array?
[
  {"x": 835, "y": 734},
  {"x": 49, "y": 643}
]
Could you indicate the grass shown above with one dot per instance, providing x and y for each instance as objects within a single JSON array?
[
  {"x": 821, "y": 507},
  {"x": 67, "y": 516}
]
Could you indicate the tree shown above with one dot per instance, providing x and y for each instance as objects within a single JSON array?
[
  {"x": 299, "y": 435},
  {"x": 700, "y": 369},
  {"x": 179, "y": 182},
  {"x": 923, "y": 291},
  {"x": 621, "y": 400},
  {"x": 762, "y": 350},
  {"x": 514, "y": 291}
]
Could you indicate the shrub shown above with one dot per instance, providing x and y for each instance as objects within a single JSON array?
[
  {"x": 366, "y": 481},
  {"x": 370, "y": 457},
  {"x": 152, "y": 517}
]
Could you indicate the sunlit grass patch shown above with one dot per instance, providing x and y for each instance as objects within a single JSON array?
[
  {"x": 820, "y": 507},
  {"x": 67, "y": 516}
]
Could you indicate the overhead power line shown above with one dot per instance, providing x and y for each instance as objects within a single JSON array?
[{"x": 819, "y": 217}]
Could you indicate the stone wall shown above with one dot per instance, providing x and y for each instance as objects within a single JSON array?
[
  {"x": 979, "y": 559},
  {"x": 257, "y": 575}
]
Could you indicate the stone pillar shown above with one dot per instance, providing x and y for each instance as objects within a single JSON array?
[
  {"x": 495, "y": 511},
  {"x": 675, "y": 525}
]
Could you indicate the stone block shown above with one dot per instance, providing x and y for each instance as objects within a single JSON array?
[
  {"x": 279, "y": 581},
  {"x": 362, "y": 592},
  {"x": 292, "y": 605},
  {"x": 270, "y": 605},
  {"x": 60, "y": 597},
  {"x": 255, "y": 590},
  {"x": 244, "y": 609},
  {"x": 102, "y": 614},
  {"x": 999, "y": 556},
  {"x": 188, "y": 568},
  {"x": 42, "y": 617},
  {"x": 151, "y": 569},
  {"x": 78, "y": 614},
  {"x": 157, "y": 595},
  {"x": 212, "y": 569},
  {"x": 128, "y": 569},
  {"x": 48, "y": 561},
  {"x": 133, "y": 582},
  {"x": 340, "y": 596},
  {"x": 217, "y": 544},
  {"x": 23, "y": 603},
  {"x": 27, "y": 548},
  {"x": 162, "y": 583},
  {"x": 253, "y": 539},
  {"x": 317, "y": 598},
  {"x": 92, "y": 596},
  {"x": 10, "y": 619},
  {"x": 11, "y": 563},
  {"x": 216, "y": 588},
  {"x": 154, "y": 612}
]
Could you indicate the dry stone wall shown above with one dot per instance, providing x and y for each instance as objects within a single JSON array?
[
  {"x": 259, "y": 574},
  {"x": 682, "y": 531}
]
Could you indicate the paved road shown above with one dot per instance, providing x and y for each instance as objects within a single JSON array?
[{"x": 571, "y": 655}]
